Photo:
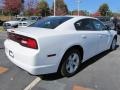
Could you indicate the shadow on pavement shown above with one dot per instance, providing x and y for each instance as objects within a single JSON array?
[
  {"x": 118, "y": 32},
  {"x": 51, "y": 77}
]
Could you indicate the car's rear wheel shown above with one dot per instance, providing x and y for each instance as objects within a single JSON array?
[
  {"x": 71, "y": 63},
  {"x": 114, "y": 44}
]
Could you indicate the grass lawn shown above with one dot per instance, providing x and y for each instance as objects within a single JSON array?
[{"x": 1, "y": 29}]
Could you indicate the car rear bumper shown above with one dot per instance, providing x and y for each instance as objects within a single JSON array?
[
  {"x": 34, "y": 70},
  {"x": 28, "y": 59}
]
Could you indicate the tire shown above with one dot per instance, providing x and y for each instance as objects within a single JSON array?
[
  {"x": 71, "y": 63},
  {"x": 113, "y": 44}
]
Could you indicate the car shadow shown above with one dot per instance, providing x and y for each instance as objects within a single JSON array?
[{"x": 55, "y": 76}]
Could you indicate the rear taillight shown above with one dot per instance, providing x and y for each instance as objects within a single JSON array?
[
  {"x": 23, "y": 40},
  {"x": 29, "y": 42}
]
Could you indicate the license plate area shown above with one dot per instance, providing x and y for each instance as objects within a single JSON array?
[{"x": 11, "y": 54}]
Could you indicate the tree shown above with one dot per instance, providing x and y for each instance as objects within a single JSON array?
[
  {"x": 96, "y": 14},
  {"x": 61, "y": 8},
  {"x": 22, "y": 8},
  {"x": 12, "y": 7},
  {"x": 104, "y": 10},
  {"x": 31, "y": 6},
  {"x": 43, "y": 8},
  {"x": 81, "y": 12}
]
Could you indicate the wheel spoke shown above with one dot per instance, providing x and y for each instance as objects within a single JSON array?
[
  {"x": 71, "y": 69},
  {"x": 75, "y": 63},
  {"x": 70, "y": 58}
]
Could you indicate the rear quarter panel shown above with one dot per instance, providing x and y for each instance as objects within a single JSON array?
[{"x": 58, "y": 44}]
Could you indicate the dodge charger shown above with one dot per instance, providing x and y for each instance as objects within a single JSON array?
[{"x": 58, "y": 44}]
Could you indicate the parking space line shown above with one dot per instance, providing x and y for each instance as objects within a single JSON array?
[
  {"x": 75, "y": 87},
  {"x": 3, "y": 70},
  {"x": 33, "y": 83}
]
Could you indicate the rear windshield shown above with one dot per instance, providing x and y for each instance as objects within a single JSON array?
[
  {"x": 17, "y": 19},
  {"x": 50, "y": 22},
  {"x": 33, "y": 18}
]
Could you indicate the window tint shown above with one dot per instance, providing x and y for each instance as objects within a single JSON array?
[
  {"x": 23, "y": 19},
  {"x": 84, "y": 24},
  {"x": 33, "y": 18},
  {"x": 50, "y": 22},
  {"x": 98, "y": 25},
  {"x": 18, "y": 19},
  {"x": 24, "y": 24},
  {"x": 20, "y": 24}
]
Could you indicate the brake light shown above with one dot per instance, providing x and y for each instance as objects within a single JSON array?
[
  {"x": 29, "y": 42},
  {"x": 23, "y": 40}
]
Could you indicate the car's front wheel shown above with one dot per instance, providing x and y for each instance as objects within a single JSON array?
[
  {"x": 71, "y": 63},
  {"x": 114, "y": 44}
]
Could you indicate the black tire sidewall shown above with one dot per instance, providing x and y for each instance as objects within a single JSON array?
[{"x": 111, "y": 49}]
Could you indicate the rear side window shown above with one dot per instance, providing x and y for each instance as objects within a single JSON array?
[
  {"x": 50, "y": 22},
  {"x": 84, "y": 24},
  {"x": 23, "y": 19},
  {"x": 98, "y": 25},
  {"x": 24, "y": 24},
  {"x": 20, "y": 24}
]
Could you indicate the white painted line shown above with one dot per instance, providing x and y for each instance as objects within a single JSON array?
[{"x": 33, "y": 83}]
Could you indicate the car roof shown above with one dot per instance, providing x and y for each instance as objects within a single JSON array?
[
  {"x": 76, "y": 17},
  {"x": 23, "y": 22},
  {"x": 34, "y": 16},
  {"x": 21, "y": 17}
]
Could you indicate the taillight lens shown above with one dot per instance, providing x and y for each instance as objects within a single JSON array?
[
  {"x": 29, "y": 42},
  {"x": 23, "y": 40}
]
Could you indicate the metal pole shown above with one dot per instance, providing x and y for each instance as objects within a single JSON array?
[
  {"x": 22, "y": 8},
  {"x": 54, "y": 7},
  {"x": 107, "y": 13},
  {"x": 78, "y": 4},
  {"x": 71, "y": 12},
  {"x": 78, "y": 8}
]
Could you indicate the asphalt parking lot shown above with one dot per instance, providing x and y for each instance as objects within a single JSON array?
[{"x": 99, "y": 73}]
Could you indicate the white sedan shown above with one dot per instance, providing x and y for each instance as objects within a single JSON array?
[
  {"x": 58, "y": 44},
  {"x": 13, "y": 23}
]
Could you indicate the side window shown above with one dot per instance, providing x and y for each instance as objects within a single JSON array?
[
  {"x": 84, "y": 24},
  {"x": 98, "y": 25},
  {"x": 24, "y": 19}
]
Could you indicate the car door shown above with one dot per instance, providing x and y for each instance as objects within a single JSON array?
[
  {"x": 103, "y": 34},
  {"x": 88, "y": 36}
]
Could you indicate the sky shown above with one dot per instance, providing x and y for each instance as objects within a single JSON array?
[{"x": 91, "y": 5}]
